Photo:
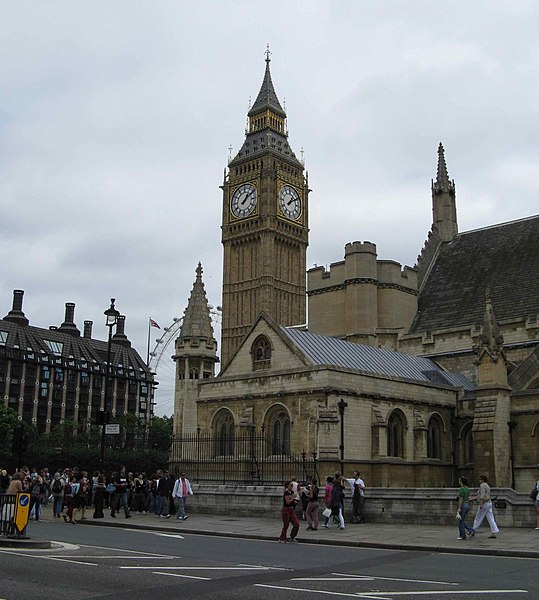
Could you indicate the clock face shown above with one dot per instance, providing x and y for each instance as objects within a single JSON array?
[
  {"x": 290, "y": 202},
  {"x": 243, "y": 201}
]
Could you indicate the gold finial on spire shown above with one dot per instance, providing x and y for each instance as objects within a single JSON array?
[
  {"x": 268, "y": 54},
  {"x": 302, "y": 152},
  {"x": 230, "y": 153}
]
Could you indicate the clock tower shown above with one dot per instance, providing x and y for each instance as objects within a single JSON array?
[{"x": 265, "y": 225}]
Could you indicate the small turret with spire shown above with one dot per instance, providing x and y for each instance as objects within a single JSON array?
[
  {"x": 195, "y": 357},
  {"x": 444, "y": 209}
]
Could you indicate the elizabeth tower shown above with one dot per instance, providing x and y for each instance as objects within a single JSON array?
[{"x": 265, "y": 226}]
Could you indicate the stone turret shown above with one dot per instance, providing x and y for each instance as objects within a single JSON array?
[
  {"x": 492, "y": 412},
  {"x": 444, "y": 217},
  {"x": 362, "y": 299},
  {"x": 195, "y": 356}
]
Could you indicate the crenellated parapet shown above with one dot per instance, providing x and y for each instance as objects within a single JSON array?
[{"x": 360, "y": 295}]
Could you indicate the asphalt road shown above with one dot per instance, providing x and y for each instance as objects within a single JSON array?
[{"x": 96, "y": 562}]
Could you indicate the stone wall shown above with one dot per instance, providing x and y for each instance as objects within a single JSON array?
[{"x": 422, "y": 506}]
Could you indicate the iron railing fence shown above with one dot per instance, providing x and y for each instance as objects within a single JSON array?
[
  {"x": 7, "y": 511},
  {"x": 244, "y": 458}
]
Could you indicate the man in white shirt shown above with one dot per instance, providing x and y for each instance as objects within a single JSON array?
[
  {"x": 357, "y": 485},
  {"x": 182, "y": 488}
]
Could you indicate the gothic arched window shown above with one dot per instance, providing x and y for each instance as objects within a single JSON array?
[
  {"x": 224, "y": 433},
  {"x": 395, "y": 434},
  {"x": 261, "y": 353},
  {"x": 467, "y": 445},
  {"x": 279, "y": 430},
  {"x": 434, "y": 437}
]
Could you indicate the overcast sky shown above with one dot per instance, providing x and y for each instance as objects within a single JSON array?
[{"x": 116, "y": 119}]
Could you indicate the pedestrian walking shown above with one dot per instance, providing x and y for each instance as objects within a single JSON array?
[
  {"x": 288, "y": 513},
  {"x": 99, "y": 496},
  {"x": 311, "y": 512},
  {"x": 357, "y": 487},
  {"x": 537, "y": 505},
  {"x": 337, "y": 500},
  {"x": 463, "y": 496},
  {"x": 164, "y": 491},
  {"x": 485, "y": 508},
  {"x": 327, "y": 499},
  {"x": 182, "y": 489}
]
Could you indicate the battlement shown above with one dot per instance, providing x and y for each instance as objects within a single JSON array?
[{"x": 360, "y": 263}]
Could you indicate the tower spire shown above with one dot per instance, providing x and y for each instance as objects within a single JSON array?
[
  {"x": 444, "y": 208},
  {"x": 442, "y": 183},
  {"x": 197, "y": 320}
]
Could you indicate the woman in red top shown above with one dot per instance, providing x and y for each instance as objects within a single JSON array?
[{"x": 288, "y": 513}]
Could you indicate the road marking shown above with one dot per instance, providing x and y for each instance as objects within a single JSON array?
[
  {"x": 131, "y": 551},
  {"x": 197, "y": 568},
  {"x": 352, "y": 595},
  {"x": 372, "y": 577},
  {"x": 70, "y": 560},
  {"x": 125, "y": 557},
  {"x": 388, "y": 595},
  {"x": 180, "y": 575},
  {"x": 169, "y": 535}
]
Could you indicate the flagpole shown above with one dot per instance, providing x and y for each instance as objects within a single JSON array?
[{"x": 148, "y": 350}]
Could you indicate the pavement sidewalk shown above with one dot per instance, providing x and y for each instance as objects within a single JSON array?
[{"x": 511, "y": 541}]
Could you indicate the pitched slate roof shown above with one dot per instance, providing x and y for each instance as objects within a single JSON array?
[
  {"x": 324, "y": 350},
  {"x": 504, "y": 258}
]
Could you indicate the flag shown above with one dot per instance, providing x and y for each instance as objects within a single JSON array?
[{"x": 154, "y": 323}]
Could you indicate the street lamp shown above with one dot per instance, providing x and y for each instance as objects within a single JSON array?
[
  {"x": 342, "y": 405},
  {"x": 112, "y": 319}
]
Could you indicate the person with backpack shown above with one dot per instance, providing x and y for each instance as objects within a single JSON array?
[
  {"x": 81, "y": 497},
  {"x": 57, "y": 489},
  {"x": 70, "y": 490},
  {"x": 36, "y": 490}
]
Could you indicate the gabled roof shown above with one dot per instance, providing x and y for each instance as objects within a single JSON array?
[
  {"x": 504, "y": 258},
  {"x": 328, "y": 351}
]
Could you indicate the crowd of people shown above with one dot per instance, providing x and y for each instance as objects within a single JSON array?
[
  {"x": 307, "y": 496},
  {"x": 74, "y": 493}
]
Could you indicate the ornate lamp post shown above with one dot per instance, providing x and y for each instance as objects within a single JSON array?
[
  {"x": 112, "y": 319},
  {"x": 342, "y": 405}
]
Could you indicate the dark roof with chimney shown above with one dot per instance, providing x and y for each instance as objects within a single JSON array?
[
  {"x": 504, "y": 258},
  {"x": 64, "y": 345}
]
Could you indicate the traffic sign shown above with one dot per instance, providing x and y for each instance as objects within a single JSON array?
[{"x": 22, "y": 511}]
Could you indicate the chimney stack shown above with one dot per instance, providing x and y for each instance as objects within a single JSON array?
[
  {"x": 68, "y": 326},
  {"x": 88, "y": 329},
  {"x": 119, "y": 337},
  {"x": 16, "y": 315}
]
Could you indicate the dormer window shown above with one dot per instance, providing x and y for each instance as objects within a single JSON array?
[{"x": 261, "y": 353}]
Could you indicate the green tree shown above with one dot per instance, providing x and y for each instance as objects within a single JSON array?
[{"x": 161, "y": 432}]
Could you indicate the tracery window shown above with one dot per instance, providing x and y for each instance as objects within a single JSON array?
[
  {"x": 224, "y": 433},
  {"x": 279, "y": 429},
  {"x": 395, "y": 434},
  {"x": 467, "y": 445},
  {"x": 261, "y": 353},
  {"x": 434, "y": 437}
]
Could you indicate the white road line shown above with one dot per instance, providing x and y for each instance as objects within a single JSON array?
[
  {"x": 265, "y": 567},
  {"x": 69, "y": 560},
  {"x": 131, "y": 551},
  {"x": 95, "y": 556},
  {"x": 388, "y": 595},
  {"x": 180, "y": 575},
  {"x": 291, "y": 589},
  {"x": 203, "y": 568},
  {"x": 398, "y": 579},
  {"x": 169, "y": 535}
]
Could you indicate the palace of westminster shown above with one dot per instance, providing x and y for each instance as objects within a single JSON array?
[{"x": 428, "y": 372}]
